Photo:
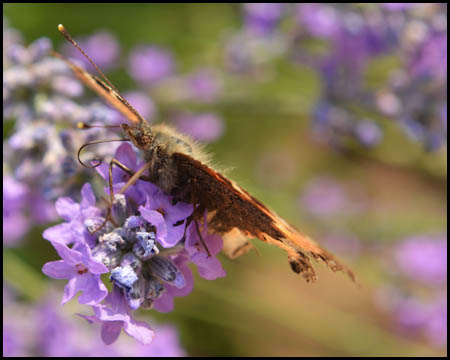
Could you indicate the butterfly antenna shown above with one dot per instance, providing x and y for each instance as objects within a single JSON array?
[{"x": 69, "y": 38}]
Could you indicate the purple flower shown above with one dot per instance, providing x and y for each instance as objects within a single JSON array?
[
  {"x": 261, "y": 18},
  {"x": 431, "y": 57},
  {"x": 165, "y": 343},
  {"x": 205, "y": 127},
  {"x": 82, "y": 271},
  {"x": 423, "y": 258},
  {"x": 320, "y": 20},
  {"x": 142, "y": 103},
  {"x": 114, "y": 315},
  {"x": 173, "y": 216},
  {"x": 368, "y": 133},
  {"x": 209, "y": 267},
  {"x": 204, "y": 85},
  {"x": 143, "y": 244},
  {"x": 76, "y": 215},
  {"x": 15, "y": 223},
  {"x": 398, "y": 6},
  {"x": 170, "y": 217},
  {"x": 436, "y": 326},
  {"x": 411, "y": 315},
  {"x": 324, "y": 197},
  {"x": 102, "y": 47},
  {"x": 11, "y": 345},
  {"x": 414, "y": 316},
  {"x": 40, "y": 329},
  {"x": 38, "y": 151},
  {"x": 150, "y": 64}
]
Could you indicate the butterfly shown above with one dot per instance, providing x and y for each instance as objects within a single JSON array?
[{"x": 179, "y": 167}]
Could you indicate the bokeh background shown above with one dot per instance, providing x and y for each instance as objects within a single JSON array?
[{"x": 334, "y": 116}]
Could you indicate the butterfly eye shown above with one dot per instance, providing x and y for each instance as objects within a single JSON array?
[{"x": 145, "y": 139}]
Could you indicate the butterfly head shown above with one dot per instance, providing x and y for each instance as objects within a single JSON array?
[{"x": 141, "y": 136}]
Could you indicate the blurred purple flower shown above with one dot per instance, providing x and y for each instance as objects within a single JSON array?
[
  {"x": 11, "y": 347},
  {"x": 102, "y": 47},
  {"x": 40, "y": 329},
  {"x": 398, "y": 6},
  {"x": 319, "y": 19},
  {"x": 261, "y": 18},
  {"x": 436, "y": 326},
  {"x": 324, "y": 197},
  {"x": 15, "y": 223},
  {"x": 368, "y": 133},
  {"x": 411, "y": 315},
  {"x": 22, "y": 207},
  {"x": 205, "y": 127},
  {"x": 423, "y": 258},
  {"x": 204, "y": 85},
  {"x": 414, "y": 316},
  {"x": 165, "y": 344},
  {"x": 431, "y": 57},
  {"x": 38, "y": 152},
  {"x": 150, "y": 64},
  {"x": 142, "y": 103}
]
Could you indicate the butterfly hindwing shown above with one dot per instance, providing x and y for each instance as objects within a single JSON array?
[{"x": 234, "y": 213}]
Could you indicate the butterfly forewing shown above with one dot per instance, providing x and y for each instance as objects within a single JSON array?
[
  {"x": 237, "y": 214},
  {"x": 105, "y": 91}
]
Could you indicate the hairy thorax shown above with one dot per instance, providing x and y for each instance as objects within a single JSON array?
[{"x": 159, "y": 143}]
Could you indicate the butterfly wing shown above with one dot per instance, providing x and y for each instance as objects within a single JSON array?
[
  {"x": 235, "y": 244},
  {"x": 234, "y": 213},
  {"x": 105, "y": 91}
]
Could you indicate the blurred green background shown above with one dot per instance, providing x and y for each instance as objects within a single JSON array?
[{"x": 261, "y": 308}]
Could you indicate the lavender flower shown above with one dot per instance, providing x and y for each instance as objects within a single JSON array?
[
  {"x": 145, "y": 246},
  {"x": 203, "y": 85},
  {"x": 40, "y": 150},
  {"x": 114, "y": 316},
  {"x": 15, "y": 224},
  {"x": 321, "y": 21},
  {"x": 324, "y": 197},
  {"x": 81, "y": 269},
  {"x": 150, "y": 64},
  {"x": 206, "y": 127},
  {"x": 368, "y": 133},
  {"x": 40, "y": 329},
  {"x": 414, "y": 316},
  {"x": 398, "y": 6},
  {"x": 423, "y": 258},
  {"x": 350, "y": 37},
  {"x": 262, "y": 18}
]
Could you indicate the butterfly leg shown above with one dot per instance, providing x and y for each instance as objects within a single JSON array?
[
  {"x": 131, "y": 181},
  {"x": 198, "y": 230}
]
